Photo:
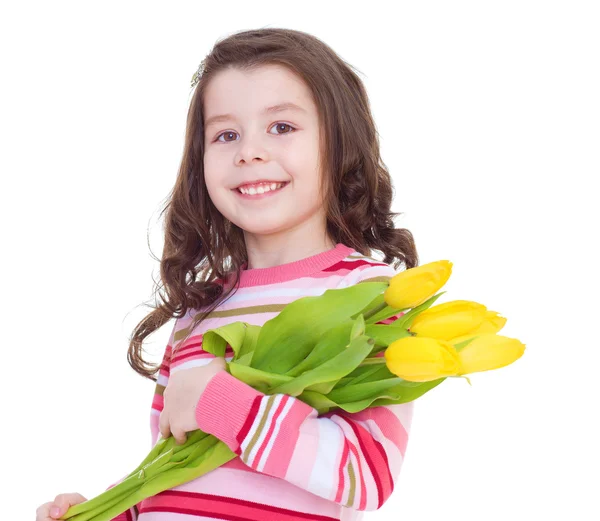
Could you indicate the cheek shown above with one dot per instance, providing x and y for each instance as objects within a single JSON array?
[
  {"x": 209, "y": 180},
  {"x": 215, "y": 166},
  {"x": 212, "y": 167},
  {"x": 213, "y": 185},
  {"x": 218, "y": 198},
  {"x": 304, "y": 169},
  {"x": 300, "y": 162}
]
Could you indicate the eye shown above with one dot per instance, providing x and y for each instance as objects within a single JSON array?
[
  {"x": 227, "y": 133},
  {"x": 278, "y": 124},
  {"x": 284, "y": 125}
]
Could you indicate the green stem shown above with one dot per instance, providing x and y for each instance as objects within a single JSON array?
[
  {"x": 373, "y": 361},
  {"x": 76, "y": 512},
  {"x": 365, "y": 375},
  {"x": 131, "y": 482},
  {"x": 375, "y": 310},
  {"x": 129, "y": 496},
  {"x": 171, "y": 475},
  {"x": 99, "y": 509}
]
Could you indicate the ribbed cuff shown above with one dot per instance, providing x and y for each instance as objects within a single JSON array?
[{"x": 224, "y": 406}]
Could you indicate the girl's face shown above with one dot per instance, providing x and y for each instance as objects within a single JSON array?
[{"x": 251, "y": 136}]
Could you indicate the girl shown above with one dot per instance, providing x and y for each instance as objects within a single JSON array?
[{"x": 281, "y": 194}]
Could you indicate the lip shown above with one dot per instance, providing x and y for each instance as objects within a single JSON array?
[
  {"x": 258, "y": 181},
  {"x": 270, "y": 193}
]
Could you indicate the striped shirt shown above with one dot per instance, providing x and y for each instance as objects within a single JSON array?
[{"x": 291, "y": 464}]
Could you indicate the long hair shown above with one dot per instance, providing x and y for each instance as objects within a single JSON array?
[{"x": 202, "y": 248}]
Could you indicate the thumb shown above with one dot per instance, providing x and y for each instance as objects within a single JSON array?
[{"x": 57, "y": 510}]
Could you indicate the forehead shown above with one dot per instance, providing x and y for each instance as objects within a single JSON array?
[{"x": 234, "y": 93}]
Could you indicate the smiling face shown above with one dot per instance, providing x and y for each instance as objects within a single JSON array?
[{"x": 249, "y": 138}]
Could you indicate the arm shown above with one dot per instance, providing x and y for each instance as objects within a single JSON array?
[{"x": 351, "y": 459}]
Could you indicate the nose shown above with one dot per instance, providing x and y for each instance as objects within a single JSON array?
[{"x": 251, "y": 149}]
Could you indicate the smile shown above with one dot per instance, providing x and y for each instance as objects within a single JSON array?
[{"x": 260, "y": 191}]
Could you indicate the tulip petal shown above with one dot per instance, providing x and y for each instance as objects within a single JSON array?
[
  {"x": 417, "y": 359},
  {"x": 413, "y": 286},
  {"x": 494, "y": 321},
  {"x": 450, "y": 320},
  {"x": 489, "y": 351}
]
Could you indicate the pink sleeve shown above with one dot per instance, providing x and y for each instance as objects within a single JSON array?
[{"x": 351, "y": 459}]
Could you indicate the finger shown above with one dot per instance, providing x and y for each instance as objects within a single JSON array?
[
  {"x": 72, "y": 498},
  {"x": 63, "y": 502},
  {"x": 43, "y": 511},
  {"x": 163, "y": 424},
  {"x": 180, "y": 437},
  {"x": 220, "y": 361}
]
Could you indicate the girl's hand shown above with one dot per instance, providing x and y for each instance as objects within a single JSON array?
[
  {"x": 181, "y": 396},
  {"x": 57, "y": 508}
]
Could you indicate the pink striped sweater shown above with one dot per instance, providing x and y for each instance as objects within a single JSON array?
[{"x": 292, "y": 464}]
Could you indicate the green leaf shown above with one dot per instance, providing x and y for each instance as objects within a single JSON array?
[
  {"x": 334, "y": 369},
  {"x": 215, "y": 340},
  {"x": 372, "y": 374},
  {"x": 244, "y": 360},
  {"x": 261, "y": 380},
  {"x": 402, "y": 393},
  {"x": 385, "y": 334},
  {"x": 352, "y": 393},
  {"x": 358, "y": 327},
  {"x": 249, "y": 344},
  {"x": 242, "y": 338},
  {"x": 406, "y": 320},
  {"x": 318, "y": 401},
  {"x": 323, "y": 388},
  {"x": 363, "y": 373},
  {"x": 385, "y": 312},
  {"x": 288, "y": 338},
  {"x": 376, "y": 303},
  {"x": 331, "y": 343}
]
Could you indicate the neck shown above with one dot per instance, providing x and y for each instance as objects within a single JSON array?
[{"x": 268, "y": 251}]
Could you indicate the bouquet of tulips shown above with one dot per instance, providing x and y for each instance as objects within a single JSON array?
[{"x": 327, "y": 352}]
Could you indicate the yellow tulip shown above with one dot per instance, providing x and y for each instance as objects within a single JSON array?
[
  {"x": 422, "y": 359},
  {"x": 413, "y": 286},
  {"x": 489, "y": 351},
  {"x": 492, "y": 324},
  {"x": 456, "y": 321}
]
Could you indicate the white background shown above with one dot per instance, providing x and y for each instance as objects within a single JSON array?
[{"x": 489, "y": 120}]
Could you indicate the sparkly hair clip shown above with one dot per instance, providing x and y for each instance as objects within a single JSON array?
[{"x": 198, "y": 73}]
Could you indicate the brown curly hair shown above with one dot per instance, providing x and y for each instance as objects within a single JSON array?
[{"x": 202, "y": 248}]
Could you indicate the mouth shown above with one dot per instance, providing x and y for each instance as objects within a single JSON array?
[{"x": 260, "y": 190}]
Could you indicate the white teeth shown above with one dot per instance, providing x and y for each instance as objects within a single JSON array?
[{"x": 261, "y": 189}]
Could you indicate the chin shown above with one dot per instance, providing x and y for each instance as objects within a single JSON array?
[{"x": 260, "y": 228}]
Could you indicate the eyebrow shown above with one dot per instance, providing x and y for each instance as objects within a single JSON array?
[{"x": 280, "y": 107}]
